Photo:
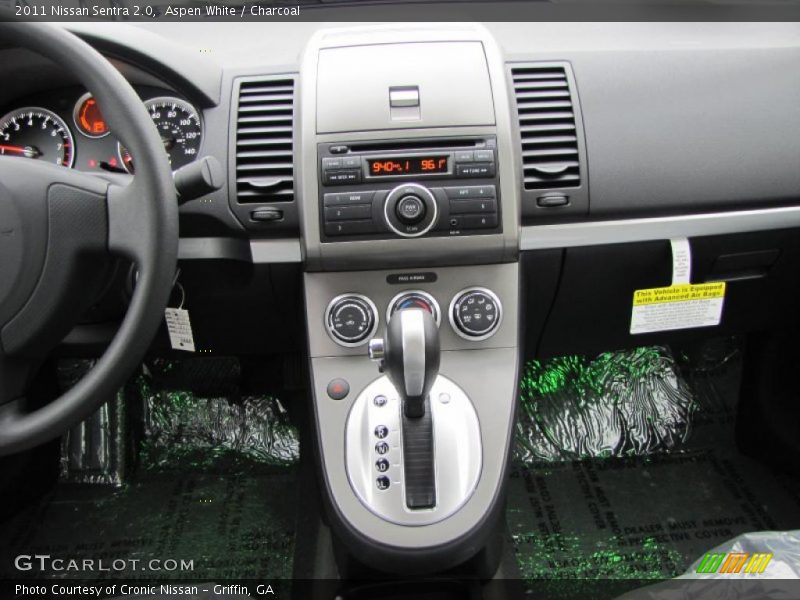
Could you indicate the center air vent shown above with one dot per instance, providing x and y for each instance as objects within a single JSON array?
[
  {"x": 264, "y": 159},
  {"x": 547, "y": 125}
]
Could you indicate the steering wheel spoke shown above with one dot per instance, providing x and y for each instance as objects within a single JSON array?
[{"x": 14, "y": 374}]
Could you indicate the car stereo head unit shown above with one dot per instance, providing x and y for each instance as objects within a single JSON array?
[{"x": 412, "y": 188}]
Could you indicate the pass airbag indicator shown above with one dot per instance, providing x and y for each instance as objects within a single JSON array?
[{"x": 683, "y": 306}]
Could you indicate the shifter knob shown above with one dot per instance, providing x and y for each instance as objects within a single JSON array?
[{"x": 410, "y": 357}]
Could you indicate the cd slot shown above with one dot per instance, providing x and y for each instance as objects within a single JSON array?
[{"x": 405, "y": 145}]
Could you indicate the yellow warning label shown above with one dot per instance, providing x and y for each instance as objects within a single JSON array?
[{"x": 679, "y": 293}]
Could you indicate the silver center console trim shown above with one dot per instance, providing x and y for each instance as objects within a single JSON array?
[{"x": 458, "y": 455}]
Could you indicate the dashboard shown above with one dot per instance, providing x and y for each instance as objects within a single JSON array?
[
  {"x": 66, "y": 127},
  {"x": 530, "y": 141},
  {"x": 516, "y": 181}
]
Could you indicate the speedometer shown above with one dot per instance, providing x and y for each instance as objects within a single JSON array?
[
  {"x": 179, "y": 126},
  {"x": 37, "y": 133}
]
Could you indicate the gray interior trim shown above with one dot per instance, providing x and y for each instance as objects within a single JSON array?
[
  {"x": 276, "y": 251},
  {"x": 568, "y": 235}
]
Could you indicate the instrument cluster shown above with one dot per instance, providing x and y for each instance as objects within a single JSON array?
[{"x": 67, "y": 128}]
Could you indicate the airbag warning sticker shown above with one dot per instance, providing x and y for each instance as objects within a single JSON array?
[{"x": 677, "y": 307}]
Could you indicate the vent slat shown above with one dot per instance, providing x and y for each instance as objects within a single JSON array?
[
  {"x": 549, "y": 152},
  {"x": 264, "y": 131},
  {"x": 266, "y": 119},
  {"x": 545, "y": 116},
  {"x": 534, "y": 96},
  {"x": 541, "y": 85},
  {"x": 249, "y": 142},
  {"x": 526, "y": 77},
  {"x": 543, "y": 140},
  {"x": 266, "y": 99},
  {"x": 547, "y": 127},
  {"x": 284, "y": 129},
  {"x": 266, "y": 89},
  {"x": 264, "y": 167}
]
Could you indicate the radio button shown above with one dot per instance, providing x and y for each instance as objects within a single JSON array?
[
  {"x": 331, "y": 163},
  {"x": 345, "y": 198},
  {"x": 464, "y": 156},
  {"x": 475, "y": 170},
  {"x": 349, "y": 227},
  {"x": 348, "y": 213},
  {"x": 472, "y": 206},
  {"x": 471, "y": 191},
  {"x": 478, "y": 221},
  {"x": 351, "y": 162},
  {"x": 484, "y": 155},
  {"x": 341, "y": 177}
]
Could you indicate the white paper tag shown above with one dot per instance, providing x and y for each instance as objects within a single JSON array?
[
  {"x": 180, "y": 329},
  {"x": 681, "y": 261}
]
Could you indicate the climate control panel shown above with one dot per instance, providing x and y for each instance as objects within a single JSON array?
[{"x": 475, "y": 314}]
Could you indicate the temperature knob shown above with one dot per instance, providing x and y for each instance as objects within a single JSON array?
[
  {"x": 351, "y": 319},
  {"x": 476, "y": 313},
  {"x": 414, "y": 299}
]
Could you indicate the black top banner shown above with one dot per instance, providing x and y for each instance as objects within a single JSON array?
[{"x": 383, "y": 10}]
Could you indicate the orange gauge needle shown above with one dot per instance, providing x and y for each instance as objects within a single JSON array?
[{"x": 24, "y": 150}]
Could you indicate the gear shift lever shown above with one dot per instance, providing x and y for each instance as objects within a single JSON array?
[{"x": 409, "y": 356}]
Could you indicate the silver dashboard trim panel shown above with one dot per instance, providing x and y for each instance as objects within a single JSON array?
[
  {"x": 598, "y": 233},
  {"x": 276, "y": 251}
]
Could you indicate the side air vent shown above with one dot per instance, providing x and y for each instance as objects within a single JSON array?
[
  {"x": 551, "y": 156},
  {"x": 264, "y": 159}
]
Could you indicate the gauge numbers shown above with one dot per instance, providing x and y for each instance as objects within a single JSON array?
[
  {"x": 180, "y": 129},
  {"x": 37, "y": 133}
]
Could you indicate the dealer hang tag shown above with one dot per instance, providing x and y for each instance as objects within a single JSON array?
[
  {"x": 682, "y": 305},
  {"x": 179, "y": 327},
  {"x": 681, "y": 261}
]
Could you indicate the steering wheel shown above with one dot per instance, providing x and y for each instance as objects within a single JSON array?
[{"x": 58, "y": 228}]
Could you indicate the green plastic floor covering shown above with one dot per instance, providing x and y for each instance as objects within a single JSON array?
[{"x": 577, "y": 525}]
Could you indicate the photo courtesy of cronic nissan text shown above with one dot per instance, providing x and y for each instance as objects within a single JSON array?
[{"x": 399, "y": 299}]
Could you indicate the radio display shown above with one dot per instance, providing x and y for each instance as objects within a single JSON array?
[{"x": 408, "y": 165}]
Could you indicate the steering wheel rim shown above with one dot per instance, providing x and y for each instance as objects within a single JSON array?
[{"x": 142, "y": 224}]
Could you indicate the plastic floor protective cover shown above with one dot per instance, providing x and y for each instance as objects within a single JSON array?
[
  {"x": 215, "y": 485},
  {"x": 596, "y": 507},
  {"x": 602, "y": 524}
]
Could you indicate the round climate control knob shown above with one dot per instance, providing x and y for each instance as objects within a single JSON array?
[
  {"x": 476, "y": 313},
  {"x": 414, "y": 299},
  {"x": 351, "y": 319}
]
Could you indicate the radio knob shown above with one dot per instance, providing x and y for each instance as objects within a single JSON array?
[{"x": 410, "y": 209}]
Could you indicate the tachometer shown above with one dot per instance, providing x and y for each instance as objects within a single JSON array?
[
  {"x": 37, "y": 133},
  {"x": 180, "y": 128}
]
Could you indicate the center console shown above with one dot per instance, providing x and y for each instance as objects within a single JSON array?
[{"x": 410, "y": 225}]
